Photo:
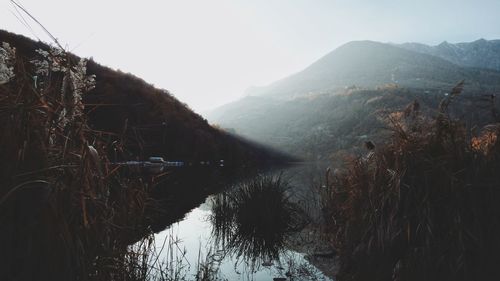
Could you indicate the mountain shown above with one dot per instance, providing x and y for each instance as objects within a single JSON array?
[
  {"x": 338, "y": 102},
  {"x": 324, "y": 126},
  {"x": 370, "y": 64},
  {"x": 480, "y": 53},
  {"x": 147, "y": 120}
]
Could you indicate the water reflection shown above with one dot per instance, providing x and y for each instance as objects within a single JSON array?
[
  {"x": 239, "y": 234},
  {"x": 253, "y": 221}
]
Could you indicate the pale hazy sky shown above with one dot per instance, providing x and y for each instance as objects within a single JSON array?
[{"x": 207, "y": 52}]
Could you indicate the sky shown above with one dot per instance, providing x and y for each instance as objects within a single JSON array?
[{"x": 208, "y": 52}]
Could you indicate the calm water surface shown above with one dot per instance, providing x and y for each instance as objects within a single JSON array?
[{"x": 187, "y": 244}]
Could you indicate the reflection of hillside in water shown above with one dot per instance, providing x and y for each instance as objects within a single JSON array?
[{"x": 183, "y": 189}]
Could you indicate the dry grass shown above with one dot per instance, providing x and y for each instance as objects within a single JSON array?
[
  {"x": 423, "y": 207},
  {"x": 253, "y": 221},
  {"x": 65, "y": 214}
]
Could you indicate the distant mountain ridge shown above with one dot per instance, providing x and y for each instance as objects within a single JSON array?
[
  {"x": 334, "y": 105},
  {"x": 370, "y": 64},
  {"x": 480, "y": 53}
]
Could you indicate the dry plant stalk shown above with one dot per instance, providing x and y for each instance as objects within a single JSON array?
[
  {"x": 423, "y": 207},
  {"x": 68, "y": 218}
]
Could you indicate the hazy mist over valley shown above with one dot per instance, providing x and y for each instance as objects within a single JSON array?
[
  {"x": 249, "y": 140},
  {"x": 334, "y": 104}
]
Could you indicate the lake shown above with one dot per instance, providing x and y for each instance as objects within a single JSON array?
[{"x": 232, "y": 235}]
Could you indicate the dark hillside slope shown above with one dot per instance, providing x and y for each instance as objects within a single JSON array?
[
  {"x": 371, "y": 64},
  {"x": 145, "y": 121}
]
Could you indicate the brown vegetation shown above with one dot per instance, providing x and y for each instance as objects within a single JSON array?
[
  {"x": 67, "y": 212},
  {"x": 423, "y": 207},
  {"x": 65, "y": 215}
]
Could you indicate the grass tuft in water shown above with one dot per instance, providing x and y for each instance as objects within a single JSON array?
[{"x": 253, "y": 221}]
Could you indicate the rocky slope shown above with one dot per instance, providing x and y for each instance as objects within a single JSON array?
[{"x": 480, "y": 53}]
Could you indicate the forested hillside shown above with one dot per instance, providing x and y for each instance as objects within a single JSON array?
[
  {"x": 316, "y": 114},
  {"x": 147, "y": 121}
]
